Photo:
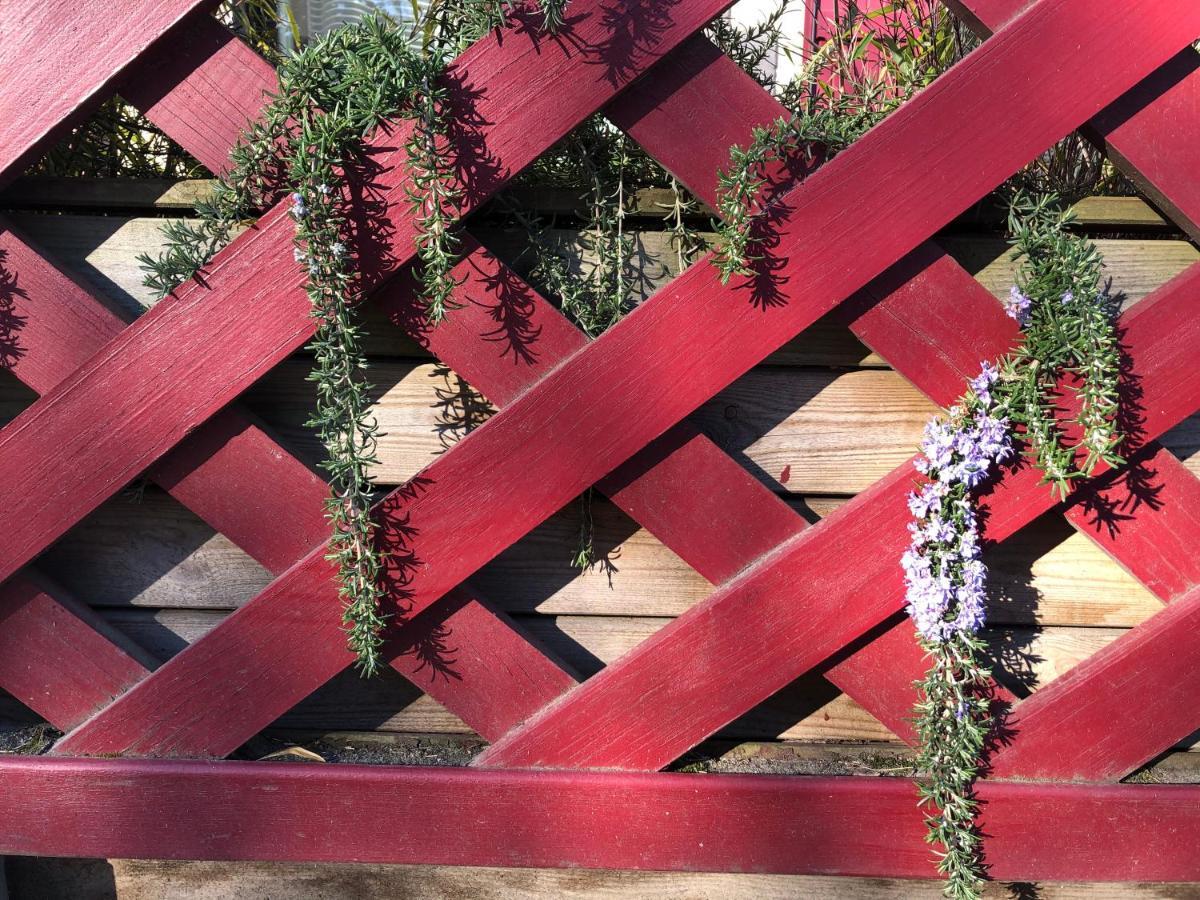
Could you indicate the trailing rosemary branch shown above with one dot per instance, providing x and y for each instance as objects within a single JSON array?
[
  {"x": 1067, "y": 317},
  {"x": 1068, "y": 329},
  {"x": 332, "y": 96}
]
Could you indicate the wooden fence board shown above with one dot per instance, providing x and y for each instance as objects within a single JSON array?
[
  {"x": 219, "y": 473},
  {"x": 164, "y": 880},
  {"x": 838, "y": 587},
  {"x": 263, "y": 313},
  {"x": 1136, "y": 134},
  {"x": 194, "y": 810},
  {"x": 199, "y": 89},
  {"x": 57, "y": 656},
  {"x": 56, "y": 71},
  {"x": 151, "y": 553},
  {"x": 103, "y": 251}
]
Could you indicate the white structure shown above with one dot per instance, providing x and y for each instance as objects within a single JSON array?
[{"x": 315, "y": 17}]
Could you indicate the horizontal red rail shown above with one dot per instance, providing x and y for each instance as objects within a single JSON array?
[{"x": 835, "y": 826}]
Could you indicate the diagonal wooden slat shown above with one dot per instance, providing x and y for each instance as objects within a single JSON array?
[
  {"x": 202, "y": 88},
  {"x": 817, "y": 593},
  {"x": 58, "y": 657},
  {"x": 689, "y": 304},
  {"x": 55, "y": 70},
  {"x": 1132, "y": 130},
  {"x": 1116, "y": 710},
  {"x": 252, "y": 305},
  {"x": 1154, "y": 540},
  {"x": 499, "y": 678}
]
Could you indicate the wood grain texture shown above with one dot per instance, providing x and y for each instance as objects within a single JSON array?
[
  {"x": 809, "y": 598},
  {"x": 56, "y": 69},
  {"x": 202, "y": 88},
  {"x": 260, "y": 312},
  {"x": 152, "y": 553},
  {"x": 1117, "y": 709},
  {"x": 166, "y": 880},
  {"x": 239, "y": 480},
  {"x": 1138, "y": 132},
  {"x": 663, "y": 323},
  {"x": 58, "y": 657},
  {"x": 906, "y": 328},
  {"x": 191, "y": 810},
  {"x": 1025, "y": 659}
]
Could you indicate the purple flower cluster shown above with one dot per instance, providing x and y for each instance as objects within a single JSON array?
[
  {"x": 299, "y": 207},
  {"x": 944, "y": 575},
  {"x": 1017, "y": 306}
]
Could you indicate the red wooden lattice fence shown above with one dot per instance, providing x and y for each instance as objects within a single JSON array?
[{"x": 158, "y": 396}]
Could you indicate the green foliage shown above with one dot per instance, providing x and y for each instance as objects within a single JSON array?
[
  {"x": 1070, "y": 334},
  {"x": 952, "y": 724},
  {"x": 875, "y": 62},
  {"x": 332, "y": 96},
  {"x": 433, "y": 196}
]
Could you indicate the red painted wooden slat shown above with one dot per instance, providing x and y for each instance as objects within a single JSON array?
[
  {"x": 820, "y": 591},
  {"x": 528, "y": 336},
  {"x": 161, "y": 377},
  {"x": 449, "y": 499},
  {"x": 924, "y": 292},
  {"x": 1139, "y": 132},
  {"x": 55, "y": 68},
  {"x": 58, "y": 657},
  {"x": 670, "y": 486},
  {"x": 1148, "y": 520},
  {"x": 202, "y": 88},
  {"x": 683, "y": 478},
  {"x": 1116, "y": 710},
  {"x": 240, "y": 481},
  {"x": 167, "y": 809}
]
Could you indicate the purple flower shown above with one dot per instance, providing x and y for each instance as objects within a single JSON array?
[
  {"x": 919, "y": 504},
  {"x": 299, "y": 207},
  {"x": 981, "y": 383},
  {"x": 1068, "y": 297},
  {"x": 992, "y": 437},
  {"x": 1017, "y": 306},
  {"x": 938, "y": 445}
]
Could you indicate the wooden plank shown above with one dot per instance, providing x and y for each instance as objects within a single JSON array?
[
  {"x": 808, "y": 599},
  {"x": 807, "y": 710},
  {"x": 109, "y": 194},
  {"x": 102, "y": 251},
  {"x": 1026, "y": 660},
  {"x": 165, "y": 880},
  {"x": 1117, "y": 709},
  {"x": 64, "y": 193},
  {"x": 58, "y": 657},
  {"x": 1138, "y": 131},
  {"x": 218, "y": 473},
  {"x": 57, "y": 67},
  {"x": 261, "y": 312},
  {"x": 202, "y": 89},
  {"x": 192, "y": 810},
  {"x": 907, "y": 328},
  {"x": 1146, "y": 518},
  {"x": 152, "y": 553},
  {"x": 452, "y": 507}
]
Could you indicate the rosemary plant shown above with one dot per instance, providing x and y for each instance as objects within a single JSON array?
[
  {"x": 332, "y": 96},
  {"x": 1069, "y": 336},
  {"x": 1068, "y": 328}
]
